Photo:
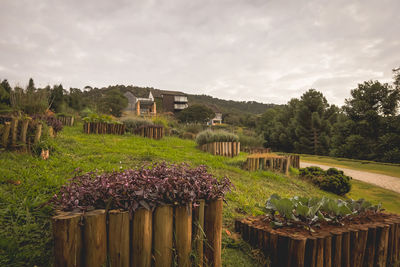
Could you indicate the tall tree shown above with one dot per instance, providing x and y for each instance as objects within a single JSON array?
[
  {"x": 113, "y": 102},
  {"x": 196, "y": 114}
]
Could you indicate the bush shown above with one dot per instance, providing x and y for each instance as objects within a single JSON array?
[
  {"x": 50, "y": 121},
  {"x": 250, "y": 141},
  {"x": 332, "y": 180},
  {"x": 194, "y": 128},
  {"x": 208, "y": 136},
  {"x": 133, "y": 124},
  {"x": 93, "y": 117}
]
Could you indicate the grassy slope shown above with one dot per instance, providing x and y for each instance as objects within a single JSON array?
[
  {"x": 25, "y": 234},
  {"x": 362, "y": 165}
]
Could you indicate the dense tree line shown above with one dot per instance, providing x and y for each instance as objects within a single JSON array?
[{"x": 366, "y": 127}]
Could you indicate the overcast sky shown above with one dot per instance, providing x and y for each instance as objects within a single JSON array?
[{"x": 263, "y": 50}]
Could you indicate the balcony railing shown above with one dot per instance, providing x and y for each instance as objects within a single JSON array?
[
  {"x": 180, "y": 99},
  {"x": 180, "y": 106}
]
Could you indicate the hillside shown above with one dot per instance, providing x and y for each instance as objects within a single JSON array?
[{"x": 28, "y": 182}]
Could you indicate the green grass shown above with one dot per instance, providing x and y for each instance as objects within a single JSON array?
[
  {"x": 25, "y": 230},
  {"x": 362, "y": 165}
]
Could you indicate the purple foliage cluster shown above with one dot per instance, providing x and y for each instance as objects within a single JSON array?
[
  {"x": 50, "y": 121},
  {"x": 145, "y": 187}
]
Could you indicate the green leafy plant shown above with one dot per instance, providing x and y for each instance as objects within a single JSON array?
[
  {"x": 135, "y": 123},
  {"x": 308, "y": 212}
]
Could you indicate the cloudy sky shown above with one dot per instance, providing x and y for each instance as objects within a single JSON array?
[{"x": 263, "y": 50}]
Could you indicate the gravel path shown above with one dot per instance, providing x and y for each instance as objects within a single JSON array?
[{"x": 385, "y": 181}]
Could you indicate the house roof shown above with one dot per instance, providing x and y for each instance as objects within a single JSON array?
[{"x": 159, "y": 93}]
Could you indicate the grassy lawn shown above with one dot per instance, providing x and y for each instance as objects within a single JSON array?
[
  {"x": 25, "y": 230},
  {"x": 362, "y": 165}
]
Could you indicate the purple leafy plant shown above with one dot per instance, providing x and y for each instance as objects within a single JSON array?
[{"x": 146, "y": 187}]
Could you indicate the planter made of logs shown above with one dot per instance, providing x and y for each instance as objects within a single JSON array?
[
  {"x": 272, "y": 162},
  {"x": 103, "y": 128},
  {"x": 142, "y": 240},
  {"x": 151, "y": 131},
  {"x": 20, "y": 133},
  {"x": 227, "y": 149},
  {"x": 257, "y": 150},
  {"x": 66, "y": 120},
  {"x": 367, "y": 244}
]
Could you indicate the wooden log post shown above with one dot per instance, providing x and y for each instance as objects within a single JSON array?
[
  {"x": 183, "y": 234},
  {"x": 370, "y": 247},
  {"x": 38, "y": 133},
  {"x": 24, "y": 131},
  {"x": 273, "y": 245},
  {"x": 118, "y": 238},
  {"x": 199, "y": 235},
  {"x": 141, "y": 238},
  {"x": 311, "y": 252},
  {"x": 95, "y": 238},
  {"x": 297, "y": 247},
  {"x": 354, "y": 246},
  {"x": 14, "y": 131},
  {"x": 319, "y": 259},
  {"x": 382, "y": 236},
  {"x": 346, "y": 249},
  {"x": 67, "y": 235},
  {"x": 282, "y": 248},
  {"x": 328, "y": 251},
  {"x": 336, "y": 248},
  {"x": 213, "y": 231},
  {"x": 6, "y": 134},
  {"x": 163, "y": 235}
]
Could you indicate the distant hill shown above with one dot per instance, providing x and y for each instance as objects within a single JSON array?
[
  {"x": 221, "y": 105},
  {"x": 230, "y": 106}
]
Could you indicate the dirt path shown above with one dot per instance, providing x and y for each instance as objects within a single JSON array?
[{"x": 385, "y": 181}]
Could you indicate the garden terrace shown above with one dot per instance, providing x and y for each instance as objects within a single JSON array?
[
  {"x": 66, "y": 120},
  {"x": 103, "y": 128},
  {"x": 258, "y": 150},
  {"x": 273, "y": 162},
  {"x": 150, "y": 131},
  {"x": 227, "y": 149}
]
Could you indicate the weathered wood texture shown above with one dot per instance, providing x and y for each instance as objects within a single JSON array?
[
  {"x": 183, "y": 234},
  {"x": 227, "y": 149},
  {"x": 372, "y": 244},
  {"x": 94, "y": 238},
  {"x": 151, "y": 131},
  {"x": 118, "y": 238},
  {"x": 213, "y": 231},
  {"x": 145, "y": 238},
  {"x": 258, "y": 150},
  {"x": 103, "y": 128},
  {"x": 163, "y": 236},
  {"x": 67, "y": 235}
]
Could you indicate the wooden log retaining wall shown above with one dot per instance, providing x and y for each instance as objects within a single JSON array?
[
  {"x": 20, "y": 133},
  {"x": 270, "y": 162},
  {"x": 147, "y": 239},
  {"x": 258, "y": 150},
  {"x": 103, "y": 128},
  {"x": 66, "y": 120},
  {"x": 372, "y": 244},
  {"x": 152, "y": 131},
  {"x": 227, "y": 149}
]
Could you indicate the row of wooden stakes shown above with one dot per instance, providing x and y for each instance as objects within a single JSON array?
[
  {"x": 265, "y": 162},
  {"x": 14, "y": 134},
  {"x": 227, "y": 149},
  {"x": 373, "y": 244},
  {"x": 257, "y": 150},
  {"x": 100, "y": 238},
  {"x": 66, "y": 120},
  {"x": 103, "y": 128},
  {"x": 151, "y": 131}
]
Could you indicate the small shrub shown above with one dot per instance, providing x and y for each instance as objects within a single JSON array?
[
  {"x": 250, "y": 141},
  {"x": 188, "y": 135},
  {"x": 50, "y": 121},
  {"x": 208, "y": 136},
  {"x": 194, "y": 128},
  {"x": 332, "y": 180},
  {"x": 133, "y": 124}
]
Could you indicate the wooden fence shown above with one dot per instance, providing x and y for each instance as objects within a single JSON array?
[
  {"x": 227, "y": 149},
  {"x": 151, "y": 131},
  {"x": 66, "y": 120},
  {"x": 372, "y": 244},
  {"x": 272, "y": 162},
  {"x": 20, "y": 133},
  {"x": 103, "y": 128},
  {"x": 147, "y": 239}
]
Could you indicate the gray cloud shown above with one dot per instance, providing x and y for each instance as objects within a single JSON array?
[{"x": 264, "y": 50}]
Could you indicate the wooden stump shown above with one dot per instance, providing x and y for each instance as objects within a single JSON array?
[
  {"x": 141, "y": 238},
  {"x": 67, "y": 234},
  {"x": 118, "y": 238},
  {"x": 6, "y": 134},
  {"x": 14, "y": 131},
  {"x": 183, "y": 234},
  {"x": 199, "y": 232},
  {"x": 297, "y": 249},
  {"x": 370, "y": 247},
  {"x": 336, "y": 248},
  {"x": 38, "y": 133},
  {"x": 213, "y": 231},
  {"x": 311, "y": 252},
  {"x": 95, "y": 238},
  {"x": 163, "y": 235},
  {"x": 346, "y": 249}
]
